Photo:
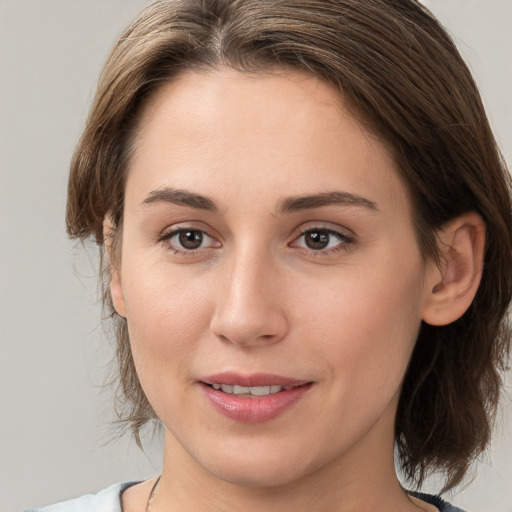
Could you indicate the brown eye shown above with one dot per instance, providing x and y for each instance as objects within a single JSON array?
[
  {"x": 190, "y": 239},
  {"x": 323, "y": 241},
  {"x": 317, "y": 239}
]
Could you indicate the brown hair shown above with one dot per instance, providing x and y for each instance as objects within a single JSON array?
[{"x": 399, "y": 70}]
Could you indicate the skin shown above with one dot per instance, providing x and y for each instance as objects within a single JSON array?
[{"x": 254, "y": 297}]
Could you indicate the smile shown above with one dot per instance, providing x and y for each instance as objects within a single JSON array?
[
  {"x": 255, "y": 398},
  {"x": 250, "y": 391}
]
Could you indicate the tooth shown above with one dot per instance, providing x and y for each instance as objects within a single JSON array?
[
  {"x": 240, "y": 390},
  {"x": 253, "y": 390},
  {"x": 226, "y": 388},
  {"x": 261, "y": 390}
]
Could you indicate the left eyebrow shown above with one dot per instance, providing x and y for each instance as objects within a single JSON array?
[{"x": 291, "y": 204}]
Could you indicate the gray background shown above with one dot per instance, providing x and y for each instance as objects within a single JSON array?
[{"x": 54, "y": 416}]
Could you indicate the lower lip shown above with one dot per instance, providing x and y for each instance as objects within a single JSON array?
[{"x": 249, "y": 409}]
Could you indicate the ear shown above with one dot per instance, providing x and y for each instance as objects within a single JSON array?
[
  {"x": 452, "y": 285},
  {"x": 113, "y": 256}
]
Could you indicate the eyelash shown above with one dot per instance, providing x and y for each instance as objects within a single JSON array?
[
  {"x": 167, "y": 237},
  {"x": 345, "y": 241}
]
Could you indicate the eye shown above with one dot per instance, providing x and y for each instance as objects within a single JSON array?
[
  {"x": 321, "y": 239},
  {"x": 190, "y": 239},
  {"x": 183, "y": 240}
]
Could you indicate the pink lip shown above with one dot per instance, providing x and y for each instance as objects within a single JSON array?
[
  {"x": 256, "y": 379},
  {"x": 251, "y": 409}
]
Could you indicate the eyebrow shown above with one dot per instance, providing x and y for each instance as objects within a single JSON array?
[
  {"x": 181, "y": 198},
  {"x": 292, "y": 204},
  {"x": 289, "y": 204}
]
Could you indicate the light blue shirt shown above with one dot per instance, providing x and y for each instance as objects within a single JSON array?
[{"x": 107, "y": 500}]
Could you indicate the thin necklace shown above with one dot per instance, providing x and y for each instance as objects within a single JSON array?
[{"x": 152, "y": 495}]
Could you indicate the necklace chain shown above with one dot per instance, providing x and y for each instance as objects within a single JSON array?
[{"x": 152, "y": 495}]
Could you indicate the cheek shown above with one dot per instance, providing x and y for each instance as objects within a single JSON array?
[
  {"x": 167, "y": 317},
  {"x": 364, "y": 334},
  {"x": 367, "y": 327}
]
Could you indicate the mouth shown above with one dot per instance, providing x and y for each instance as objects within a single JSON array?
[
  {"x": 250, "y": 391},
  {"x": 255, "y": 398}
]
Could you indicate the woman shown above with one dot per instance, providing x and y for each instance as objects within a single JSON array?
[{"x": 307, "y": 235}]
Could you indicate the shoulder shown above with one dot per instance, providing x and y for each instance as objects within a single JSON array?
[
  {"x": 107, "y": 500},
  {"x": 438, "y": 502}
]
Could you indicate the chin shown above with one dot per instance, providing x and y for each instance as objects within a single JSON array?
[
  {"x": 259, "y": 470},
  {"x": 258, "y": 477}
]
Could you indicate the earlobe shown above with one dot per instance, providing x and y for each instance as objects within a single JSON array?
[
  {"x": 113, "y": 261},
  {"x": 116, "y": 291},
  {"x": 452, "y": 285}
]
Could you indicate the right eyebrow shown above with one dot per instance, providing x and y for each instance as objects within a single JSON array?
[
  {"x": 329, "y": 198},
  {"x": 181, "y": 198}
]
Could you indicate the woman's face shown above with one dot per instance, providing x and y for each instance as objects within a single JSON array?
[{"x": 267, "y": 250}]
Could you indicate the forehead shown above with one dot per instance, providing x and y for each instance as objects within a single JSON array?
[{"x": 259, "y": 133}]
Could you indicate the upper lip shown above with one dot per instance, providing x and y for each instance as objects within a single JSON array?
[{"x": 253, "y": 380}]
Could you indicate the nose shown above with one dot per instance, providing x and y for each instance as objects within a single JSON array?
[{"x": 249, "y": 302}]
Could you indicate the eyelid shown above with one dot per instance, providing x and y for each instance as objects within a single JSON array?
[
  {"x": 169, "y": 233},
  {"x": 347, "y": 238},
  {"x": 343, "y": 231}
]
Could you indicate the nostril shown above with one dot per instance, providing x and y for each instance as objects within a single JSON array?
[{"x": 241, "y": 322}]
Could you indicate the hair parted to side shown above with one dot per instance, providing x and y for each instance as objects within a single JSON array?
[{"x": 394, "y": 64}]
